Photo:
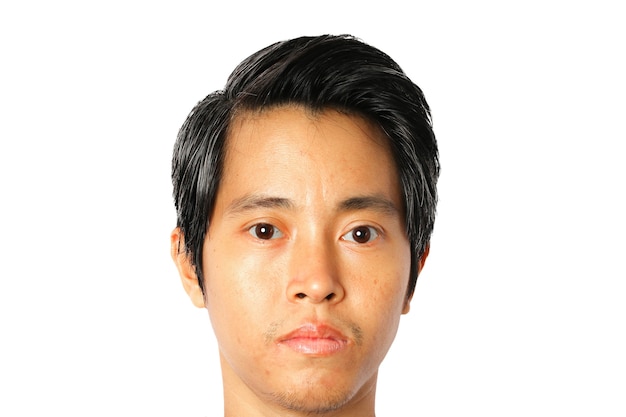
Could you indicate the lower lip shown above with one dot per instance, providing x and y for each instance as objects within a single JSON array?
[{"x": 315, "y": 346}]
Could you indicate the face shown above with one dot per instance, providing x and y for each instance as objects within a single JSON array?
[{"x": 306, "y": 261}]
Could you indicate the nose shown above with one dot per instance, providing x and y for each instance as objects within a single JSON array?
[{"x": 314, "y": 274}]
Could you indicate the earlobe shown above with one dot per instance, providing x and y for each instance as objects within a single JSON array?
[
  {"x": 407, "y": 305},
  {"x": 185, "y": 268}
]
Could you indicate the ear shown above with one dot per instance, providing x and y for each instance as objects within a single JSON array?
[
  {"x": 422, "y": 261},
  {"x": 186, "y": 270},
  {"x": 420, "y": 265}
]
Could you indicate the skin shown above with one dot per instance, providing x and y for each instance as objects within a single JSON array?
[{"x": 288, "y": 251}]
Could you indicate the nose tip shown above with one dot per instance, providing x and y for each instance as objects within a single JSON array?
[{"x": 314, "y": 276}]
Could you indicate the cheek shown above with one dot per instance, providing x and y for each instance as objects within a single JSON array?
[
  {"x": 385, "y": 277},
  {"x": 241, "y": 293},
  {"x": 240, "y": 290},
  {"x": 383, "y": 289}
]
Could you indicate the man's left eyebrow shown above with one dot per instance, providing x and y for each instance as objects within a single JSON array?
[{"x": 371, "y": 202}]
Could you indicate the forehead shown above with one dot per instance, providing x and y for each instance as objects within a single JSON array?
[
  {"x": 294, "y": 151},
  {"x": 254, "y": 127}
]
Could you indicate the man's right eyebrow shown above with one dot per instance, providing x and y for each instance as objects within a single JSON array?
[{"x": 255, "y": 201}]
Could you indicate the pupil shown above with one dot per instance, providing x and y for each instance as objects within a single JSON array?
[
  {"x": 361, "y": 235},
  {"x": 264, "y": 231}
]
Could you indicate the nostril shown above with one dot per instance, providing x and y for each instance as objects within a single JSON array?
[{"x": 329, "y": 297}]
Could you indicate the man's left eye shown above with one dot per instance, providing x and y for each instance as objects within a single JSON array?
[{"x": 361, "y": 234}]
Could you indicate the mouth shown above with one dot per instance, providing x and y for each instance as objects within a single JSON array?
[{"x": 315, "y": 340}]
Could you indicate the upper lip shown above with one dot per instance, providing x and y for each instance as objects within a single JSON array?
[{"x": 314, "y": 331}]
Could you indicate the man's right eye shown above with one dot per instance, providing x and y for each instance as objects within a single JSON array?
[{"x": 265, "y": 231}]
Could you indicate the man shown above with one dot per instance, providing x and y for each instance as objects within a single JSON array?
[{"x": 306, "y": 194}]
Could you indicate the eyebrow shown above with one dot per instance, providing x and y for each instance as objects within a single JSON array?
[
  {"x": 253, "y": 201},
  {"x": 374, "y": 202}
]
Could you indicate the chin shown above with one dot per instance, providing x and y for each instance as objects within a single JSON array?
[
  {"x": 317, "y": 396},
  {"x": 314, "y": 400}
]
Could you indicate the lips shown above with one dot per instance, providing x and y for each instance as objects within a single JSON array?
[{"x": 314, "y": 340}]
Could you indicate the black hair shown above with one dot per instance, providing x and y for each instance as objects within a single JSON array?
[{"x": 322, "y": 72}]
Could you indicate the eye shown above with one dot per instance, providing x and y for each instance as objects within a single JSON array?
[
  {"x": 265, "y": 231},
  {"x": 361, "y": 234}
]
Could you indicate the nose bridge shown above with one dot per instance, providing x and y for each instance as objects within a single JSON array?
[{"x": 314, "y": 270}]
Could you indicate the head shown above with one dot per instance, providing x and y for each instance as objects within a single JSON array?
[{"x": 337, "y": 73}]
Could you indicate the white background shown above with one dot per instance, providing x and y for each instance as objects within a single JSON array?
[{"x": 520, "y": 309}]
